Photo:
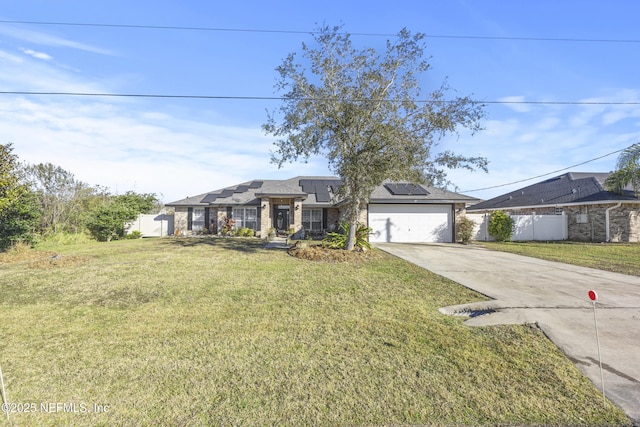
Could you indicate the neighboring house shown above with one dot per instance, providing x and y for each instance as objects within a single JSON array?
[
  {"x": 593, "y": 213},
  {"x": 397, "y": 212}
]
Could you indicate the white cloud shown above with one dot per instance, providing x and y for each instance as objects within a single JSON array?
[
  {"x": 44, "y": 39},
  {"x": 119, "y": 146},
  {"x": 38, "y": 55},
  {"x": 37, "y": 71},
  {"x": 123, "y": 145},
  {"x": 544, "y": 140},
  {"x": 123, "y": 150},
  {"x": 6, "y": 56}
]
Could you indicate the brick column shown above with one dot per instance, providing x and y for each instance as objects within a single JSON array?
[
  {"x": 297, "y": 215},
  {"x": 222, "y": 213},
  {"x": 265, "y": 217}
]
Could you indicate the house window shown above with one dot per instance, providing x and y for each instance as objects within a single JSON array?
[
  {"x": 245, "y": 218},
  {"x": 559, "y": 211},
  {"x": 197, "y": 222},
  {"x": 312, "y": 219}
]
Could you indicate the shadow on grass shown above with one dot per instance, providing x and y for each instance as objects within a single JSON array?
[{"x": 239, "y": 244}]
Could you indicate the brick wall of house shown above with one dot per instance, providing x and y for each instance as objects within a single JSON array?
[
  {"x": 213, "y": 218},
  {"x": 624, "y": 224},
  {"x": 588, "y": 223},
  {"x": 363, "y": 216},
  {"x": 180, "y": 221},
  {"x": 634, "y": 225},
  {"x": 333, "y": 219}
]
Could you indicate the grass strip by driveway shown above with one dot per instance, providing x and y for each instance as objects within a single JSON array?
[
  {"x": 224, "y": 332},
  {"x": 616, "y": 257}
]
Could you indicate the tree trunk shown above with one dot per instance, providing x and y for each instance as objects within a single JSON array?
[
  {"x": 354, "y": 214},
  {"x": 351, "y": 238}
]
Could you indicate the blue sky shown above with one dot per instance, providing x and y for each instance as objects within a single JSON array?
[{"x": 182, "y": 147}]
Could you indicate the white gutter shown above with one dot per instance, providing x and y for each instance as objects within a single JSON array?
[{"x": 606, "y": 219}]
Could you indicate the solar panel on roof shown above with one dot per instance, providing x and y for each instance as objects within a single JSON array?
[
  {"x": 209, "y": 198},
  {"x": 241, "y": 188},
  {"x": 226, "y": 193},
  {"x": 305, "y": 184},
  {"x": 256, "y": 184},
  {"x": 320, "y": 187},
  {"x": 404, "y": 189},
  {"x": 323, "y": 196}
]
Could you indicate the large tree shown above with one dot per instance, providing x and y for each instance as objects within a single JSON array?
[
  {"x": 364, "y": 111},
  {"x": 627, "y": 171},
  {"x": 18, "y": 204},
  {"x": 62, "y": 198}
]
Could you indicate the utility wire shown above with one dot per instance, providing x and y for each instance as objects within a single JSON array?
[
  {"x": 545, "y": 174},
  {"x": 255, "y": 30},
  {"x": 281, "y": 98}
]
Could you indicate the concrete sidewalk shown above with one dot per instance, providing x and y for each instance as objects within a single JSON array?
[
  {"x": 278, "y": 243},
  {"x": 555, "y": 296}
]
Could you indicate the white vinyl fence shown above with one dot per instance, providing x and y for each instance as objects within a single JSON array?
[
  {"x": 526, "y": 227},
  {"x": 154, "y": 225}
]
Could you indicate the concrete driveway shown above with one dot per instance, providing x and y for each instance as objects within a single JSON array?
[{"x": 555, "y": 296}]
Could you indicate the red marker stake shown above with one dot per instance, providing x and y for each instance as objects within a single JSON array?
[{"x": 593, "y": 296}]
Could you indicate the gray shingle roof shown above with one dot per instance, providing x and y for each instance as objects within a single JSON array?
[
  {"x": 318, "y": 191},
  {"x": 241, "y": 194},
  {"x": 569, "y": 188},
  {"x": 392, "y": 192}
]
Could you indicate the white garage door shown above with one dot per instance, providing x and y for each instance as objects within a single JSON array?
[{"x": 410, "y": 223}]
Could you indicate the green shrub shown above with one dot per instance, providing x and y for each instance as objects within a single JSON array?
[
  {"x": 464, "y": 228},
  {"x": 133, "y": 235},
  {"x": 501, "y": 226},
  {"x": 227, "y": 227},
  {"x": 244, "y": 232},
  {"x": 339, "y": 240},
  {"x": 107, "y": 221}
]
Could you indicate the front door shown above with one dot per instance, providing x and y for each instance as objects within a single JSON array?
[{"x": 281, "y": 218}]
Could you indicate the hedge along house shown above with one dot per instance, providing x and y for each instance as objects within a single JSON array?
[
  {"x": 397, "y": 212},
  {"x": 594, "y": 214}
]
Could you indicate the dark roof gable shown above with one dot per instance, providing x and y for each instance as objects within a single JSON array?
[{"x": 569, "y": 188}]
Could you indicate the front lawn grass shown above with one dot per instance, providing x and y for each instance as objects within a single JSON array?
[
  {"x": 616, "y": 257},
  {"x": 204, "y": 332}
]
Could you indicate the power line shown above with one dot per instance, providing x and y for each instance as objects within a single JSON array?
[
  {"x": 281, "y": 98},
  {"x": 144, "y": 95},
  {"x": 545, "y": 174},
  {"x": 256, "y": 30}
]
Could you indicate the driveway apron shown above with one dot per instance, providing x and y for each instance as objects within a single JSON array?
[{"x": 555, "y": 297}]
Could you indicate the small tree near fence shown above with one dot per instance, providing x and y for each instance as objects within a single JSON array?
[
  {"x": 464, "y": 228},
  {"x": 501, "y": 226}
]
